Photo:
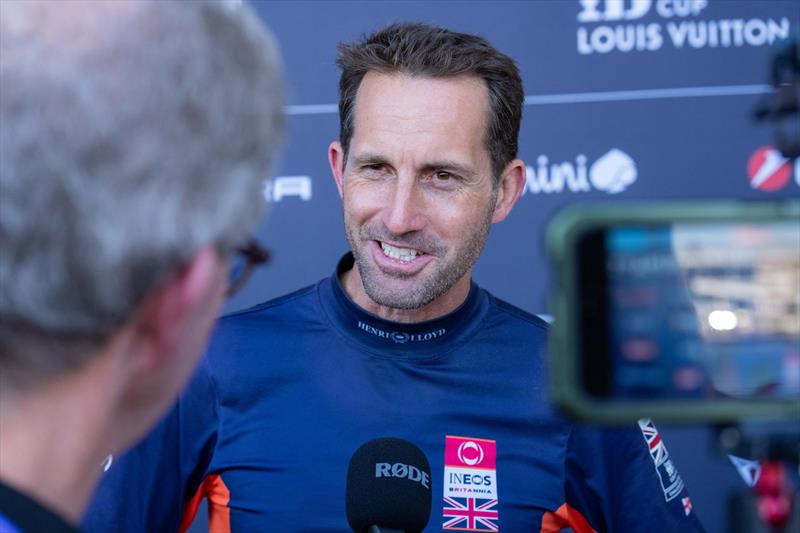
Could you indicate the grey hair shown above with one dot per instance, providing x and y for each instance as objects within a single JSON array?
[{"x": 132, "y": 134}]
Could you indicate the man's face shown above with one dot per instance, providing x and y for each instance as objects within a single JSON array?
[{"x": 417, "y": 188}]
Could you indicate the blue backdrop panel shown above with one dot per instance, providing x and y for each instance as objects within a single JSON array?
[{"x": 665, "y": 86}]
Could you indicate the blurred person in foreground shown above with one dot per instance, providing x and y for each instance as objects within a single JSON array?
[
  {"x": 134, "y": 138},
  {"x": 398, "y": 341}
]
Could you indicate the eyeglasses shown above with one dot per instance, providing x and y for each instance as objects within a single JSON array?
[{"x": 247, "y": 258}]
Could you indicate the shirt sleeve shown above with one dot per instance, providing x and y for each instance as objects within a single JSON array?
[
  {"x": 148, "y": 487},
  {"x": 622, "y": 480}
]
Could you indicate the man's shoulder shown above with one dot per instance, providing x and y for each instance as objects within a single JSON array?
[
  {"x": 300, "y": 303},
  {"x": 276, "y": 323},
  {"x": 508, "y": 314},
  {"x": 238, "y": 349}
]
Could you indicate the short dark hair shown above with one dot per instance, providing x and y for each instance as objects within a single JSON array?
[{"x": 418, "y": 49}]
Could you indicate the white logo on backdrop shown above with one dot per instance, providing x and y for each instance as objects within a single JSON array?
[
  {"x": 616, "y": 26},
  {"x": 277, "y": 189},
  {"x": 613, "y": 172}
]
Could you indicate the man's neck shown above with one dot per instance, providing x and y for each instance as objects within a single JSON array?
[
  {"x": 441, "y": 306},
  {"x": 52, "y": 441}
]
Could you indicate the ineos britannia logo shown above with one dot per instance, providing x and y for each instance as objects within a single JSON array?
[{"x": 470, "y": 453}]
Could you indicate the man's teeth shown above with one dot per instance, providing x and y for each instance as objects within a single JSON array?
[{"x": 403, "y": 254}]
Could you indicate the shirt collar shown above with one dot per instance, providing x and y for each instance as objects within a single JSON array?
[{"x": 383, "y": 337}]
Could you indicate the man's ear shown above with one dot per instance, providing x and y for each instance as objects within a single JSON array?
[
  {"x": 188, "y": 299},
  {"x": 512, "y": 183},
  {"x": 336, "y": 161}
]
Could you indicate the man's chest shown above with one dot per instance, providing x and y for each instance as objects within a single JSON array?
[{"x": 284, "y": 462}]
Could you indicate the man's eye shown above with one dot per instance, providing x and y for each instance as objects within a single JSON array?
[
  {"x": 443, "y": 175},
  {"x": 374, "y": 166}
]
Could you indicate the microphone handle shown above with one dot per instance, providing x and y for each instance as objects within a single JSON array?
[{"x": 376, "y": 529}]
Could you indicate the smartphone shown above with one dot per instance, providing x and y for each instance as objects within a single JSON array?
[{"x": 681, "y": 311}]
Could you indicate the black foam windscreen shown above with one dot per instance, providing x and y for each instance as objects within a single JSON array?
[{"x": 389, "y": 486}]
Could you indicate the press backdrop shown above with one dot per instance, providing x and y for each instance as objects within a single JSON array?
[{"x": 664, "y": 87}]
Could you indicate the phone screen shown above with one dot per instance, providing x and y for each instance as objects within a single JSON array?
[{"x": 691, "y": 311}]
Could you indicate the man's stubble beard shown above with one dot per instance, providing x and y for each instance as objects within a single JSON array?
[{"x": 430, "y": 287}]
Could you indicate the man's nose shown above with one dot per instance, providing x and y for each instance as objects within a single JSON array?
[{"x": 405, "y": 211}]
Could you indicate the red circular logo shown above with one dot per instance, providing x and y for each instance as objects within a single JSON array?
[
  {"x": 470, "y": 453},
  {"x": 768, "y": 170}
]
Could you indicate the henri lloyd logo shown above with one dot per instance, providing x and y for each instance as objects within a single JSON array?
[
  {"x": 619, "y": 26},
  {"x": 401, "y": 337}
]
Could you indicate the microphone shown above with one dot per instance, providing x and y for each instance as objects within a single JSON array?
[{"x": 388, "y": 488}]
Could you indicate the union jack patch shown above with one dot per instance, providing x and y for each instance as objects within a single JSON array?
[
  {"x": 658, "y": 451},
  {"x": 470, "y": 514},
  {"x": 671, "y": 482},
  {"x": 687, "y": 505}
]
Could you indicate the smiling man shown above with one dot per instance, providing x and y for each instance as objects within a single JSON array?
[
  {"x": 419, "y": 191},
  {"x": 399, "y": 341}
]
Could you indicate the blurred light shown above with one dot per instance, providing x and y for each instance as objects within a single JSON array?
[
  {"x": 232, "y": 4},
  {"x": 639, "y": 350},
  {"x": 687, "y": 378},
  {"x": 722, "y": 320}
]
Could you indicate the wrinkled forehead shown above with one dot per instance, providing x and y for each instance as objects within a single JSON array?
[{"x": 421, "y": 116}]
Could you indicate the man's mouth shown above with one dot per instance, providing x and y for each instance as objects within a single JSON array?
[{"x": 400, "y": 254}]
